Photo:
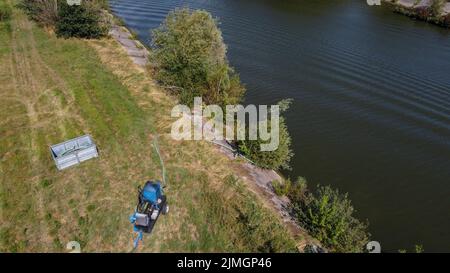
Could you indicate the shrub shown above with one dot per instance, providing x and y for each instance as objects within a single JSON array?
[
  {"x": 436, "y": 7},
  {"x": 277, "y": 159},
  {"x": 190, "y": 57},
  {"x": 419, "y": 248},
  {"x": 5, "y": 12},
  {"x": 298, "y": 190},
  {"x": 328, "y": 216},
  {"x": 44, "y": 12},
  {"x": 281, "y": 188},
  {"x": 83, "y": 21}
]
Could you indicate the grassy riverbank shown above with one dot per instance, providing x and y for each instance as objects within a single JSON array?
[{"x": 54, "y": 89}]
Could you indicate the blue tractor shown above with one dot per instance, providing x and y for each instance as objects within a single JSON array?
[{"x": 151, "y": 203}]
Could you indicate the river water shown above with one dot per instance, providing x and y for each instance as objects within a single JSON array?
[{"x": 371, "y": 111}]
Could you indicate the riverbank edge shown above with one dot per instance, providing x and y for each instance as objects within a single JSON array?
[{"x": 419, "y": 11}]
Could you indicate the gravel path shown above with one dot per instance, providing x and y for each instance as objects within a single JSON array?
[{"x": 135, "y": 49}]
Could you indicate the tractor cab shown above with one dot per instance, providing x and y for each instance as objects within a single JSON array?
[
  {"x": 150, "y": 193},
  {"x": 151, "y": 203}
]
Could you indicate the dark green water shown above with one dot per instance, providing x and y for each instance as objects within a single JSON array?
[{"x": 372, "y": 101}]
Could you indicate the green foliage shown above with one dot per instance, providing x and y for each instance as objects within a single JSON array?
[
  {"x": 328, "y": 216},
  {"x": 419, "y": 248},
  {"x": 5, "y": 12},
  {"x": 277, "y": 159},
  {"x": 436, "y": 7},
  {"x": 190, "y": 58},
  {"x": 298, "y": 190},
  {"x": 84, "y": 21},
  {"x": 281, "y": 188}
]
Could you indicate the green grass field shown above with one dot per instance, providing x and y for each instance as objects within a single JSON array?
[{"x": 54, "y": 89}]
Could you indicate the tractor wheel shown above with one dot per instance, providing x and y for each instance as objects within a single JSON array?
[{"x": 165, "y": 209}]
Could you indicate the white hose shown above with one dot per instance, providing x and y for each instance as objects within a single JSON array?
[{"x": 155, "y": 145}]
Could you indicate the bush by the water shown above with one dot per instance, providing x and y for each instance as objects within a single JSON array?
[
  {"x": 328, "y": 216},
  {"x": 83, "y": 21},
  {"x": 277, "y": 159},
  {"x": 190, "y": 59},
  {"x": 298, "y": 190},
  {"x": 281, "y": 188},
  {"x": 5, "y": 12},
  {"x": 436, "y": 7}
]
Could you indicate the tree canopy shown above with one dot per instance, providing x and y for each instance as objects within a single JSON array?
[{"x": 190, "y": 58}]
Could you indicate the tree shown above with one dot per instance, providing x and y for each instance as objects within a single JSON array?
[
  {"x": 277, "y": 159},
  {"x": 81, "y": 21},
  {"x": 328, "y": 216},
  {"x": 190, "y": 57}
]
